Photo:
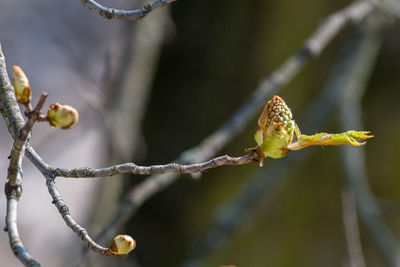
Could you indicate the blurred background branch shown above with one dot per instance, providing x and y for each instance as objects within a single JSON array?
[
  {"x": 351, "y": 228},
  {"x": 136, "y": 14},
  {"x": 354, "y": 161}
]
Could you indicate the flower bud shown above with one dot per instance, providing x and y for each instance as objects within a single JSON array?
[
  {"x": 62, "y": 116},
  {"x": 275, "y": 112},
  {"x": 122, "y": 245},
  {"x": 21, "y": 86}
]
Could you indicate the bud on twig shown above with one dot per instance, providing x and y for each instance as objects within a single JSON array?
[
  {"x": 62, "y": 116},
  {"x": 122, "y": 245},
  {"x": 276, "y": 129},
  {"x": 21, "y": 86},
  {"x": 275, "y": 112}
]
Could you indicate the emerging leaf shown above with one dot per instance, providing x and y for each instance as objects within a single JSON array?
[{"x": 325, "y": 139}]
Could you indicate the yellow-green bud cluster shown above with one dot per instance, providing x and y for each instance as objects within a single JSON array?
[
  {"x": 278, "y": 111},
  {"x": 62, "y": 116},
  {"x": 122, "y": 245}
]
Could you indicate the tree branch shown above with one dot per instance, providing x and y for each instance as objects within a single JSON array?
[
  {"x": 18, "y": 150},
  {"x": 44, "y": 168},
  {"x": 71, "y": 223},
  {"x": 15, "y": 241},
  {"x": 311, "y": 48},
  {"x": 154, "y": 169},
  {"x": 13, "y": 188},
  {"x": 20, "y": 132},
  {"x": 8, "y": 104},
  {"x": 134, "y": 15}
]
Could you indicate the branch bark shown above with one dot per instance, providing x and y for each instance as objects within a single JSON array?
[
  {"x": 154, "y": 169},
  {"x": 134, "y": 15},
  {"x": 71, "y": 223},
  {"x": 13, "y": 188},
  {"x": 15, "y": 240}
]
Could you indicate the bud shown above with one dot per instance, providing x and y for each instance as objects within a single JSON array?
[
  {"x": 275, "y": 112},
  {"x": 275, "y": 131},
  {"x": 62, "y": 116},
  {"x": 21, "y": 86},
  {"x": 122, "y": 245}
]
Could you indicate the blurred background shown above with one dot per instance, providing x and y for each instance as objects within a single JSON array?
[{"x": 147, "y": 91}]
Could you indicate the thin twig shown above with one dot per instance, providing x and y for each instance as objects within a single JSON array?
[
  {"x": 154, "y": 169},
  {"x": 135, "y": 14},
  {"x": 64, "y": 211},
  {"x": 15, "y": 241},
  {"x": 311, "y": 48},
  {"x": 354, "y": 159},
  {"x": 350, "y": 222},
  {"x": 60, "y": 204}
]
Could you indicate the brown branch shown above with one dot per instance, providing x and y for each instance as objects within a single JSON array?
[
  {"x": 154, "y": 169},
  {"x": 134, "y": 15}
]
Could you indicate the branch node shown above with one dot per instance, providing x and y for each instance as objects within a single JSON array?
[{"x": 13, "y": 191}]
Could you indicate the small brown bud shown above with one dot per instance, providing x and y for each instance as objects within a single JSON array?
[
  {"x": 62, "y": 116},
  {"x": 21, "y": 86},
  {"x": 122, "y": 245}
]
